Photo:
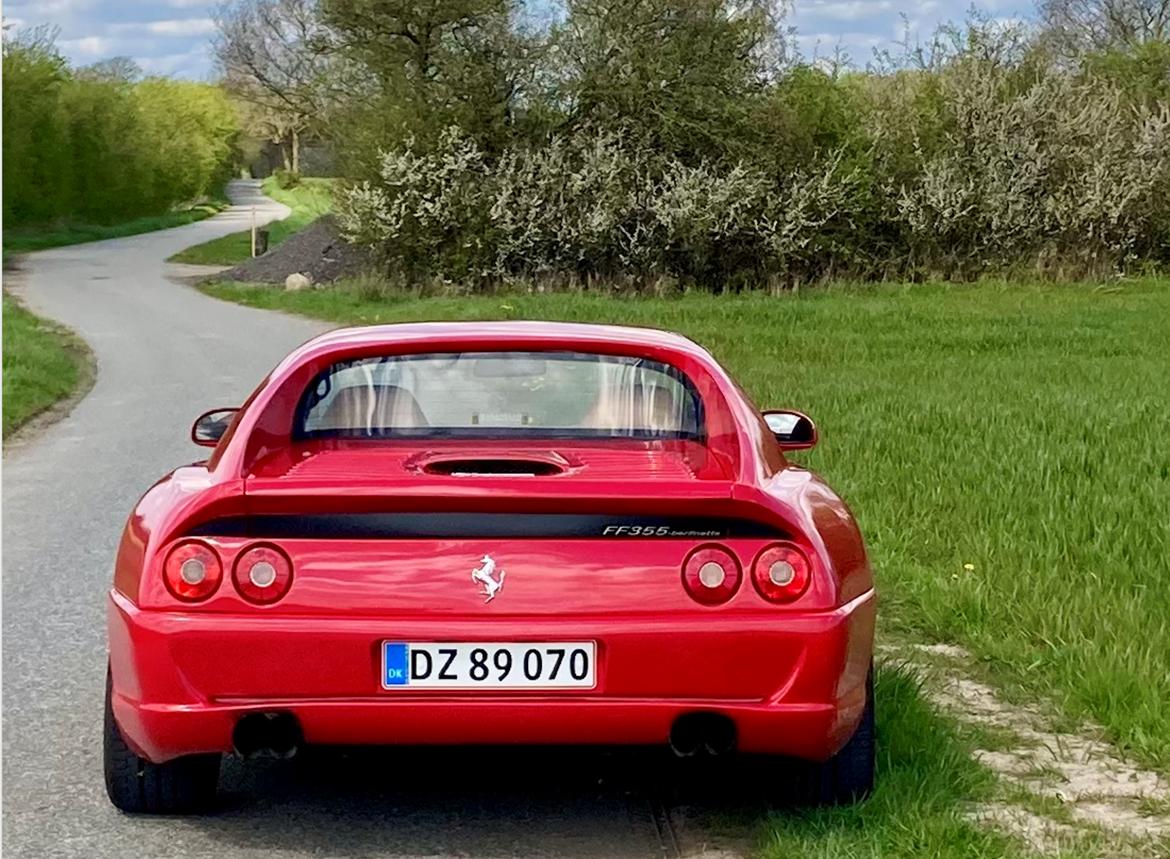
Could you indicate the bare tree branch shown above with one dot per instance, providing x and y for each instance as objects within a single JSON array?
[{"x": 1075, "y": 26}]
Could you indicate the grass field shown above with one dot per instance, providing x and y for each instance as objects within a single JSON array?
[
  {"x": 1020, "y": 430},
  {"x": 309, "y": 200},
  {"x": 42, "y": 364},
  {"x": 22, "y": 240}
]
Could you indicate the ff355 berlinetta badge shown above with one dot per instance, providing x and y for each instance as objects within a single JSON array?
[{"x": 483, "y": 575}]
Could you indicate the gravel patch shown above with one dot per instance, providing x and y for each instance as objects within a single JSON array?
[
  {"x": 1097, "y": 787},
  {"x": 317, "y": 251}
]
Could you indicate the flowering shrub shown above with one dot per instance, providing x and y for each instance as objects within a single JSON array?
[
  {"x": 1057, "y": 168},
  {"x": 587, "y": 205},
  {"x": 987, "y": 161}
]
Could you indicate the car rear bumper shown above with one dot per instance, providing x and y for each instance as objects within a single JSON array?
[{"x": 793, "y": 684}]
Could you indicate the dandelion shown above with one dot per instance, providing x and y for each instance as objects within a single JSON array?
[{"x": 969, "y": 567}]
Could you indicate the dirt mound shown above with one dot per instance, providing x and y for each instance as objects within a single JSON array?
[{"x": 317, "y": 251}]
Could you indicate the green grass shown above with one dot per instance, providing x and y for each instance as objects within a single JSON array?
[
  {"x": 309, "y": 200},
  {"x": 42, "y": 364},
  {"x": 23, "y": 239},
  {"x": 926, "y": 780},
  {"x": 1020, "y": 429},
  {"x": 926, "y": 787}
]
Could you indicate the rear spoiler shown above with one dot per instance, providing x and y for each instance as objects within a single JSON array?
[{"x": 495, "y": 508}]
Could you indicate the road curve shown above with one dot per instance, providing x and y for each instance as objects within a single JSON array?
[{"x": 164, "y": 353}]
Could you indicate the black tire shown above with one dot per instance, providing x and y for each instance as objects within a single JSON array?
[
  {"x": 135, "y": 785},
  {"x": 848, "y": 776}
]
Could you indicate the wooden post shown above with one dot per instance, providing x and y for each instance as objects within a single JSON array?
[{"x": 253, "y": 232}]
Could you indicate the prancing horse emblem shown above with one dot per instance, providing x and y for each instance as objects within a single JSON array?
[{"x": 483, "y": 575}]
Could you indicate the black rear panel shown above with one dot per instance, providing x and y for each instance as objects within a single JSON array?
[{"x": 389, "y": 526}]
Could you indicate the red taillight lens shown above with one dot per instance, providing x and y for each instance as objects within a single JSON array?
[
  {"x": 781, "y": 572},
  {"x": 263, "y": 574},
  {"x": 711, "y": 575},
  {"x": 192, "y": 571}
]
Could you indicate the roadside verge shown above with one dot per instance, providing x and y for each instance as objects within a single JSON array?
[
  {"x": 47, "y": 371},
  {"x": 24, "y": 240}
]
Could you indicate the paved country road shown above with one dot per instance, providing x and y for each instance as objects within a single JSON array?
[{"x": 165, "y": 353}]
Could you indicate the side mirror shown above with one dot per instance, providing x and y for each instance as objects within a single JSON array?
[
  {"x": 793, "y": 430},
  {"x": 210, "y": 426}
]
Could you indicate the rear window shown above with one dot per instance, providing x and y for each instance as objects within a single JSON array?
[{"x": 500, "y": 395}]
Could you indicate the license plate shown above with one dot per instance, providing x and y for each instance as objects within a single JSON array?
[{"x": 489, "y": 665}]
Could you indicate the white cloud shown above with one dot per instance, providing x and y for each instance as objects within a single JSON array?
[
  {"x": 184, "y": 27},
  {"x": 188, "y": 27},
  {"x": 47, "y": 10},
  {"x": 847, "y": 10},
  {"x": 188, "y": 64},
  {"x": 820, "y": 48},
  {"x": 88, "y": 46}
]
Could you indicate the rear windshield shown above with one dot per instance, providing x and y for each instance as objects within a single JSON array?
[{"x": 500, "y": 395}]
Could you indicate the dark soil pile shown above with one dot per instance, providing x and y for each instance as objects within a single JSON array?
[{"x": 316, "y": 251}]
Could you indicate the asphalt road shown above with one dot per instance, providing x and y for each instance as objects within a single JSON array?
[{"x": 166, "y": 352}]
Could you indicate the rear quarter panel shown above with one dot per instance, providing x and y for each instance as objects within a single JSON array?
[{"x": 185, "y": 496}]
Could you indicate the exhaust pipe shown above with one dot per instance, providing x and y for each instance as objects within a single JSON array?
[
  {"x": 710, "y": 733},
  {"x": 275, "y": 735},
  {"x": 684, "y": 737}
]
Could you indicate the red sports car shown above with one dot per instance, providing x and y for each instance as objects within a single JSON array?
[{"x": 469, "y": 533}]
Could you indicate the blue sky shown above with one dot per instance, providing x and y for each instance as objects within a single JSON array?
[
  {"x": 859, "y": 27},
  {"x": 171, "y": 37}
]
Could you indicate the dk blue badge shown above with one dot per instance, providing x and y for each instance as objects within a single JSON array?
[{"x": 395, "y": 671}]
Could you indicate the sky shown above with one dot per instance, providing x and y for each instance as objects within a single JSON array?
[{"x": 172, "y": 37}]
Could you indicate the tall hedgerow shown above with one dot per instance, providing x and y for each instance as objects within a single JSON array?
[
  {"x": 98, "y": 145},
  {"x": 632, "y": 153}
]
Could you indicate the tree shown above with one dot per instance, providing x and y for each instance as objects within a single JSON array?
[
  {"x": 36, "y": 158},
  {"x": 114, "y": 70},
  {"x": 277, "y": 57},
  {"x": 436, "y": 63},
  {"x": 677, "y": 75},
  {"x": 1076, "y": 26},
  {"x": 98, "y": 144}
]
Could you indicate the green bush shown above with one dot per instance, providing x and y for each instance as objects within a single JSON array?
[
  {"x": 286, "y": 179},
  {"x": 97, "y": 146}
]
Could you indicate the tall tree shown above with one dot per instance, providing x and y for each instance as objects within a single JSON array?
[
  {"x": 279, "y": 58},
  {"x": 437, "y": 63},
  {"x": 676, "y": 73}
]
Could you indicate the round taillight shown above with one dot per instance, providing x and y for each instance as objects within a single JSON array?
[
  {"x": 781, "y": 572},
  {"x": 262, "y": 574},
  {"x": 711, "y": 575},
  {"x": 192, "y": 571}
]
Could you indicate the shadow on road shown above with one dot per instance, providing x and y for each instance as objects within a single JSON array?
[{"x": 485, "y": 803}]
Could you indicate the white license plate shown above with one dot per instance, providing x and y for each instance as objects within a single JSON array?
[{"x": 489, "y": 665}]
